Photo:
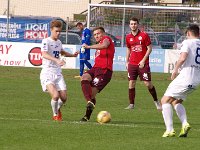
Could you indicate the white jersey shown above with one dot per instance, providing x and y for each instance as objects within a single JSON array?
[
  {"x": 53, "y": 48},
  {"x": 191, "y": 67},
  {"x": 188, "y": 79}
]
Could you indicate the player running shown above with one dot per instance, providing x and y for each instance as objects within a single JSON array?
[
  {"x": 51, "y": 74},
  {"x": 186, "y": 82}
]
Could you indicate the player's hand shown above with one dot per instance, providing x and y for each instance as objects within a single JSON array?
[
  {"x": 141, "y": 64},
  {"x": 60, "y": 62},
  {"x": 85, "y": 46},
  {"x": 76, "y": 53},
  {"x": 174, "y": 74}
]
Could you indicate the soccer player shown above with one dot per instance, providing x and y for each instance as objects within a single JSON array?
[
  {"x": 137, "y": 62},
  {"x": 84, "y": 53},
  {"x": 95, "y": 79},
  {"x": 183, "y": 84},
  {"x": 51, "y": 74}
]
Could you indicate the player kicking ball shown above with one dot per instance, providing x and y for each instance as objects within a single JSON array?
[
  {"x": 94, "y": 80},
  {"x": 51, "y": 77},
  {"x": 186, "y": 82}
]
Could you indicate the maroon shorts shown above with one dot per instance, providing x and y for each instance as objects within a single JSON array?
[
  {"x": 134, "y": 71},
  {"x": 100, "y": 77}
]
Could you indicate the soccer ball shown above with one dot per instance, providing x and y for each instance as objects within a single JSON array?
[{"x": 103, "y": 117}]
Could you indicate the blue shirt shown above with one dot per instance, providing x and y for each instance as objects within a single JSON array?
[{"x": 86, "y": 35}]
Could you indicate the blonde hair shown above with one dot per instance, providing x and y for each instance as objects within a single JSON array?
[{"x": 56, "y": 23}]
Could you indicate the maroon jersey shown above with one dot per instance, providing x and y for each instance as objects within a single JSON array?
[
  {"x": 138, "y": 46},
  {"x": 104, "y": 57}
]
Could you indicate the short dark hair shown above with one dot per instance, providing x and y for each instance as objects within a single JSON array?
[
  {"x": 56, "y": 23},
  {"x": 99, "y": 28},
  {"x": 79, "y": 24},
  {"x": 134, "y": 19},
  {"x": 194, "y": 29}
]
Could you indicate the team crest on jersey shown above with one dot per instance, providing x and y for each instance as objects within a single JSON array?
[
  {"x": 97, "y": 53},
  {"x": 140, "y": 38}
]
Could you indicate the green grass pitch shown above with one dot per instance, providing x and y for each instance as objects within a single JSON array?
[{"x": 25, "y": 116}]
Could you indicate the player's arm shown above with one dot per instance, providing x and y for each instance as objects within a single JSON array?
[
  {"x": 67, "y": 54},
  {"x": 46, "y": 55},
  {"x": 128, "y": 51},
  {"x": 148, "y": 52},
  {"x": 103, "y": 45},
  {"x": 181, "y": 60}
]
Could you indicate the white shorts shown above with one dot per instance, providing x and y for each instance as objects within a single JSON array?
[
  {"x": 180, "y": 88},
  {"x": 52, "y": 78}
]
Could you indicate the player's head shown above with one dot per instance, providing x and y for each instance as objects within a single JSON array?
[
  {"x": 80, "y": 26},
  {"x": 98, "y": 33},
  {"x": 134, "y": 23},
  {"x": 192, "y": 31},
  {"x": 56, "y": 28}
]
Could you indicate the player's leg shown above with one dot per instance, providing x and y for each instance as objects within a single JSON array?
[
  {"x": 145, "y": 76},
  {"x": 61, "y": 101},
  {"x": 88, "y": 64},
  {"x": 86, "y": 86},
  {"x": 87, "y": 90},
  {"x": 90, "y": 105},
  {"x": 101, "y": 79},
  {"x": 132, "y": 77},
  {"x": 131, "y": 94},
  {"x": 167, "y": 113},
  {"x": 54, "y": 99},
  {"x": 81, "y": 67},
  {"x": 181, "y": 113},
  {"x": 153, "y": 93},
  {"x": 62, "y": 88}
]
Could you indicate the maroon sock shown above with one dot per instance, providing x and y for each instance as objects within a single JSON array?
[
  {"x": 87, "y": 90},
  {"x": 89, "y": 111},
  {"x": 131, "y": 95},
  {"x": 153, "y": 93}
]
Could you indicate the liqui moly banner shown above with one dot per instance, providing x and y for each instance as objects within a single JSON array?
[{"x": 24, "y": 29}]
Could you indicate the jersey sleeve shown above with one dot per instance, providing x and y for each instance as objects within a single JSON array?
[
  {"x": 185, "y": 46},
  {"x": 44, "y": 45}
]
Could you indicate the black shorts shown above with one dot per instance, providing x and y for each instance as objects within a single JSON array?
[
  {"x": 100, "y": 77},
  {"x": 134, "y": 71}
]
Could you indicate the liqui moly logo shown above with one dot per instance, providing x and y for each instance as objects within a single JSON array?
[{"x": 36, "y": 31}]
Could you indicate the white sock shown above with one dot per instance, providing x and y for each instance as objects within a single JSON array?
[
  {"x": 168, "y": 116},
  {"x": 54, "y": 105},
  {"x": 60, "y": 103},
  {"x": 181, "y": 113}
]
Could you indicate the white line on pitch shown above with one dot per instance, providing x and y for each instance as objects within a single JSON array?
[{"x": 90, "y": 123}]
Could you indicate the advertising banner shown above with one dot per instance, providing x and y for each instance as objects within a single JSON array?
[
  {"x": 24, "y": 29},
  {"x": 157, "y": 60},
  {"x": 171, "y": 57},
  {"x": 29, "y": 54}
]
